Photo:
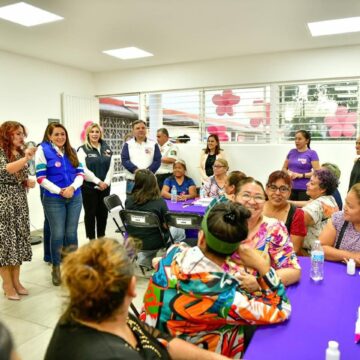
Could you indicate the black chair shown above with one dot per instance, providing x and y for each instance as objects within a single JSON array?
[
  {"x": 111, "y": 202},
  {"x": 184, "y": 220},
  {"x": 144, "y": 219}
]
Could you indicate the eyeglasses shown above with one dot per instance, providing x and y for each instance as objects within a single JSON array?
[
  {"x": 257, "y": 198},
  {"x": 283, "y": 189}
]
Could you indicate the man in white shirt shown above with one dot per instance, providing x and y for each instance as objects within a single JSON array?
[
  {"x": 169, "y": 154},
  {"x": 139, "y": 153}
]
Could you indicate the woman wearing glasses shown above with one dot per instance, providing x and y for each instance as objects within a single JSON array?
[
  {"x": 267, "y": 235},
  {"x": 215, "y": 185},
  {"x": 278, "y": 190}
]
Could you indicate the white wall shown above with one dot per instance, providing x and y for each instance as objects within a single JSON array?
[
  {"x": 329, "y": 63},
  {"x": 260, "y": 160},
  {"x": 256, "y": 160},
  {"x": 30, "y": 92}
]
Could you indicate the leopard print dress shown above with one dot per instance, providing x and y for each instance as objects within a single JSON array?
[{"x": 15, "y": 244}]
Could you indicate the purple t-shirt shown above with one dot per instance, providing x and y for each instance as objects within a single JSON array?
[
  {"x": 351, "y": 237},
  {"x": 300, "y": 162}
]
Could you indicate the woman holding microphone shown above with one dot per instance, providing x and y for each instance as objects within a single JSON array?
[{"x": 15, "y": 244}]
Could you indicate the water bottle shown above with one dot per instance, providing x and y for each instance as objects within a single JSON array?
[
  {"x": 317, "y": 262},
  {"x": 173, "y": 194},
  {"x": 351, "y": 267},
  {"x": 202, "y": 193},
  {"x": 332, "y": 352}
]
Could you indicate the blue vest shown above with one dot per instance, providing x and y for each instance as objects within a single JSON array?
[
  {"x": 98, "y": 163},
  {"x": 59, "y": 170}
]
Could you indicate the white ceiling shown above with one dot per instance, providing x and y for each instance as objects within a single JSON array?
[{"x": 174, "y": 31}]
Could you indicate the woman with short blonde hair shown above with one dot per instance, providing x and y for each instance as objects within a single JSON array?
[{"x": 98, "y": 162}]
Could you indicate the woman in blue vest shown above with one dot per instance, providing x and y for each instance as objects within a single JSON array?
[
  {"x": 60, "y": 173},
  {"x": 98, "y": 162}
]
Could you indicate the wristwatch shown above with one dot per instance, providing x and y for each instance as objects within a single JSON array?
[{"x": 304, "y": 176}]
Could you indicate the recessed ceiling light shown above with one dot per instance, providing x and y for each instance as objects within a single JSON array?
[
  {"x": 128, "y": 53},
  {"x": 337, "y": 26},
  {"x": 27, "y": 15}
]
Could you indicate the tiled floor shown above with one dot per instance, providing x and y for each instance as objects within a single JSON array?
[{"x": 32, "y": 319}]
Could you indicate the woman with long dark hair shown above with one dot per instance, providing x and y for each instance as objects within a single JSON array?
[
  {"x": 14, "y": 212},
  {"x": 300, "y": 163},
  {"x": 209, "y": 155},
  {"x": 146, "y": 196},
  {"x": 61, "y": 174}
]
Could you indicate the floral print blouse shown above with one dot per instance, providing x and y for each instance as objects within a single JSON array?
[{"x": 273, "y": 242}]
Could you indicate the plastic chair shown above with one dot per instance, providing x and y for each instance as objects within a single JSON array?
[
  {"x": 144, "y": 219},
  {"x": 184, "y": 220},
  {"x": 111, "y": 202}
]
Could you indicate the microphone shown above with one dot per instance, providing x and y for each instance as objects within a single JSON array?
[{"x": 31, "y": 162}]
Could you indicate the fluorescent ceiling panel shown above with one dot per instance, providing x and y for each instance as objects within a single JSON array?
[
  {"x": 337, "y": 26},
  {"x": 128, "y": 53},
  {"x": 27, "y": 15}
]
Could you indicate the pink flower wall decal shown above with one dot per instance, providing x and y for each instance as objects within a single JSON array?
[
  {"x": 83, "y": 132},
  {"x": 257, "y": 116},
  {"x": 342, "y": 123},
  {"x": 220, "y": 131},
  {"x": 225, "y": 102}
]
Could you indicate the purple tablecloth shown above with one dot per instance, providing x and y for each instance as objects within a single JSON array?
[
  {"x": 320, "y": 312},
  {"x": 185, "y": 206}
]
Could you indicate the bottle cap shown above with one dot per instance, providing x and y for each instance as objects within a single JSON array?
[{"x": 333, "y": 344}]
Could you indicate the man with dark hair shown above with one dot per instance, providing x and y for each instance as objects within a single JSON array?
[
  {"x": 139, "y": 153},
  {"x": 169, "y": 154}
]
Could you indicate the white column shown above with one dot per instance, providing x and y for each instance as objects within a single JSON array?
[{"x": 155, "y": 114}]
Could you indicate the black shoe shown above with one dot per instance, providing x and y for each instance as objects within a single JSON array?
[{"x": 56, "y": 275}]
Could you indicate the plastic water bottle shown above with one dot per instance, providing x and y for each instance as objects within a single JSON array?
[
  {"x": 173, "y": 194},
  {"x": 351, "y": 267},
  {"x": 317, "y": 262},
  {"x": 202, "y": 193},
  {"x": 332, "y": 352}
]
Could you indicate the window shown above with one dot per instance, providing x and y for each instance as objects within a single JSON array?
[
  {"x": 178, "y": 111},
  {"x": 116, "y": 116},
  {"x": 240, "y": 115},
  {"x": 252, "y": 114},
  {"x": 328, "y": 110}
]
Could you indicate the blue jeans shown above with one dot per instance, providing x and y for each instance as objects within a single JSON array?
[
  {"x": 46, "y": 232},
  {"x": 63, "y": 216}
]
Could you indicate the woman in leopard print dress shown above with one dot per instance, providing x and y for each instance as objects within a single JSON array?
[{"x": 14, "y": 213}]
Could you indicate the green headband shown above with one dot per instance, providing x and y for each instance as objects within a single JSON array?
[{"x": 216, "y": 244}]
